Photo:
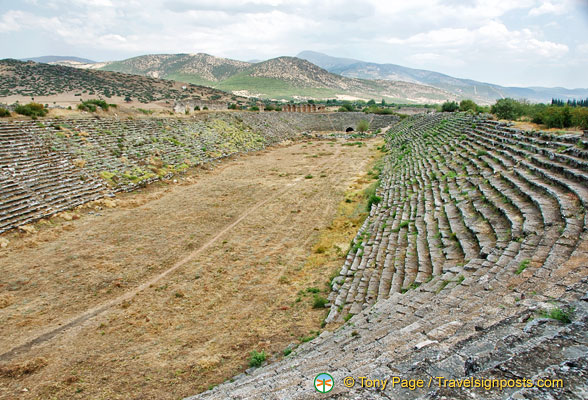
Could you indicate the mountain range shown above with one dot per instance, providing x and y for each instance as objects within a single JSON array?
[
  {"x": 316, "y": 75},
  {"x": 463, "y": 88},
  {"x": 278, "y": 78}
]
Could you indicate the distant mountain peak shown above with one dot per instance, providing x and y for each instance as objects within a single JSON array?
[
  {"x": 481, "y": 92},
  {"x": 54, "y": 59}
]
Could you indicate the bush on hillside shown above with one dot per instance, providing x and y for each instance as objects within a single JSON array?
[
  {"x": 363, "y": 126},
  {"x": 580, "y": 117},
  {"x": 450, "y": 106},
  {"x": 378, "y": 110},
  {"x": 4, "y": 112},
  {"x": 507, "y": 109},
  {"x": 32, "y": 110},
  {"x": 346, "y": 107},
  {"x": 467, "y": 105},
  {"x": 556, "y": 117},
  {"x": 93, "y": 104}
]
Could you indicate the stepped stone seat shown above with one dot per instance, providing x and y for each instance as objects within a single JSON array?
[
  {"x": 479, "y": 225},
  {"x": 58, "y": 164}
]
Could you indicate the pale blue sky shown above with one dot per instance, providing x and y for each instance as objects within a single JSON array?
[{"x": 523, "y": 43}]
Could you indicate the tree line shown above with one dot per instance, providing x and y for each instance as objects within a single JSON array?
[{"x": 557, "y": 114}]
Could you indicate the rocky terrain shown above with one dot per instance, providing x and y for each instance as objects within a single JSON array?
[
  {"x": 395, "y": 82},
  {"x": 196, "y": 67},
  {"x": 24, "y": 80},
  {"x": 282, "y": 77},
  {"x": 471, "y": 266}
]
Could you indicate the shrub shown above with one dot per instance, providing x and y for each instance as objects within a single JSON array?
[
  {"x": 507, "y": 109},
  {"x": 92, "y": 104},
  {"x": 254, "y": 108},
  {"x": 381, "y": 110},
  {"x": 449, "y": 106},
  {"x": 557, "y": 117},
  {"x": 580, "y": 117},
  {"x": 559, "y": 315},
  {"x": 373, "y": 199},
  {"x": 319, "y": 301},
  {"x": 345, "y": 107},
  {"x": 256, "y": 358},
  {"x": 371, "y": 196},
  {"x": 363, "y": 125},
  {"x": 467, "y": 105},
  {"x": 32, "y": 110},
  {"x": 4, "y": 112}
]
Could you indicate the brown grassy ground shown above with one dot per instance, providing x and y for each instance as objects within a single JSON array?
[
  {"x": 531, "y": 126},
  {"x": 168, "y": 292}
]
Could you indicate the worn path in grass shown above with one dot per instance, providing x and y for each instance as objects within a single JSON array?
[{"x": 169, "y": 292}]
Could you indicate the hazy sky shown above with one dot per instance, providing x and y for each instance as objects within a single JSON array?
[{"x": 512, "y": 42}]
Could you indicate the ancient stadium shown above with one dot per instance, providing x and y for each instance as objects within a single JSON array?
[{"x": 470, "y": 264}]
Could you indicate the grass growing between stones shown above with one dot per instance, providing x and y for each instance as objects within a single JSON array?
[
  {"x": 564, "y": 316},
  {"x": 256, "y": 358}
]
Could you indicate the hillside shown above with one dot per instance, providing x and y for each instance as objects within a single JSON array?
[
  {"x": 282, "y": 77},
  {"x": 59, "y": 59},
  {"x": 193, "y": 68},
  {"x": 291, "y": 78},
  {"x": 463, "y": 88},
  {"x": 285, "y": 77},
  {"x": 23, "y": 80}
]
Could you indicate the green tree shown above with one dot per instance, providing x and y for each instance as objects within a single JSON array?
[
  {"x": 346, "y": 106},
  {"x": 467, "y": 105},
  {"x": 580, "y": 117},
  {"x": 450, "y": 106},
  {"x": 507, "y": 109},
  {"x": 557, "y": 116}
]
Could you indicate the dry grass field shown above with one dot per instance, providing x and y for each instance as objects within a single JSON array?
[{"x": 166, "y": 291}]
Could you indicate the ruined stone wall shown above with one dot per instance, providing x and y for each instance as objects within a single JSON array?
[{"x": 52, "y": 165}]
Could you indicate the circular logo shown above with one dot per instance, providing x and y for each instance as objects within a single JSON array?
[{"x": 323, "y": 383}]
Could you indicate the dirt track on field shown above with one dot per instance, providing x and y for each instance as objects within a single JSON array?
[{"x": 168, "y": 292}]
